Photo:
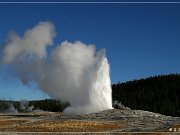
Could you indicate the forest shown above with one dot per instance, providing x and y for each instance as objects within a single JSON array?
[
  {"x": 160, "y": 94},
  {"x": 34, "y": 105}
]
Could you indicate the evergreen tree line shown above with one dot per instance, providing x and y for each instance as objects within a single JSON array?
[
  {"x": 160, "y": 94},
  {"x": 3, "y": 105},
  {"x": 49, "y": 105},
  {"x": 44, "y": 105}
]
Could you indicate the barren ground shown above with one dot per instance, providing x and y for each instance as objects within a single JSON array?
[{"x": 109, "y": 121}]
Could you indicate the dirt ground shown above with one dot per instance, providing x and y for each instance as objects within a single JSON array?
[{"x": 111, "y": 121}]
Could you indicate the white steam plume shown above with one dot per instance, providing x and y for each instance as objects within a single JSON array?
[
  {"x": 74, "y": 72},
  {"x": 24, "y": 106},
  {"x": 32, "y": 44},
  {"x": 11, "y": 109}
]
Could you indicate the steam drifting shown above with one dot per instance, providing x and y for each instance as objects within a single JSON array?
[{"x": 73, "y": 72}]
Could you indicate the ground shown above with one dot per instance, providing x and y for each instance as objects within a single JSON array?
[{"x": 108, "y": 121}]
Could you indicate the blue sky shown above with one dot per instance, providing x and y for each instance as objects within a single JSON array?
[{"x": 141, "y": 40}]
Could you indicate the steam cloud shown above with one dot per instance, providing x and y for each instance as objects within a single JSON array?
[
  {"x": 73, "y": 72},
  {"x": 24, "y": 106},
  {"x": 11, "y": 109}
]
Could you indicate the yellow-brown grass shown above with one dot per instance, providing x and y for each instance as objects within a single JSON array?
[
  {"x": 5, "y": 123},
  {"x": 68, "y": 126}
]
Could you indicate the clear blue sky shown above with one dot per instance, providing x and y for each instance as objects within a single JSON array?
[{"x": 141, "y": 40}]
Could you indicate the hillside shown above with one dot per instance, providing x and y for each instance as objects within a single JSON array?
[{"x": 159, "y": 94}]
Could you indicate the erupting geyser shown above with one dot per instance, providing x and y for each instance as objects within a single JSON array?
[{"x": 72, "y": 72}]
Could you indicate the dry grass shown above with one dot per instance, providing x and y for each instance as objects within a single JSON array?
[
  {"x": 4, "y": 123},
  {"x": 40, "y": 125},
  {"x": 68, "y": 126}
]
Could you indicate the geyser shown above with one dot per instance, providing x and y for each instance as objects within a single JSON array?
[{"x": 72, "y": 71}]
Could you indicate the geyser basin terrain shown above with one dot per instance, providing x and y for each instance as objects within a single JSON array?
[
  {"x": 72, "y": 72},
  {"x": 110, "y": 121}
]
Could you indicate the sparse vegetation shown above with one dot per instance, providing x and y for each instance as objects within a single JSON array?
[
  {"x": 68, "y": 126},
  {"x": 112, "y": 120},
  {"x": 41, "y": 125}
]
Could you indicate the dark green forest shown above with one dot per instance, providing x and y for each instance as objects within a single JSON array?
[
  {"x": 41, "y": 105},
  {"x": 159, "y": 94},
  {"x": 49, "y": 105}
]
